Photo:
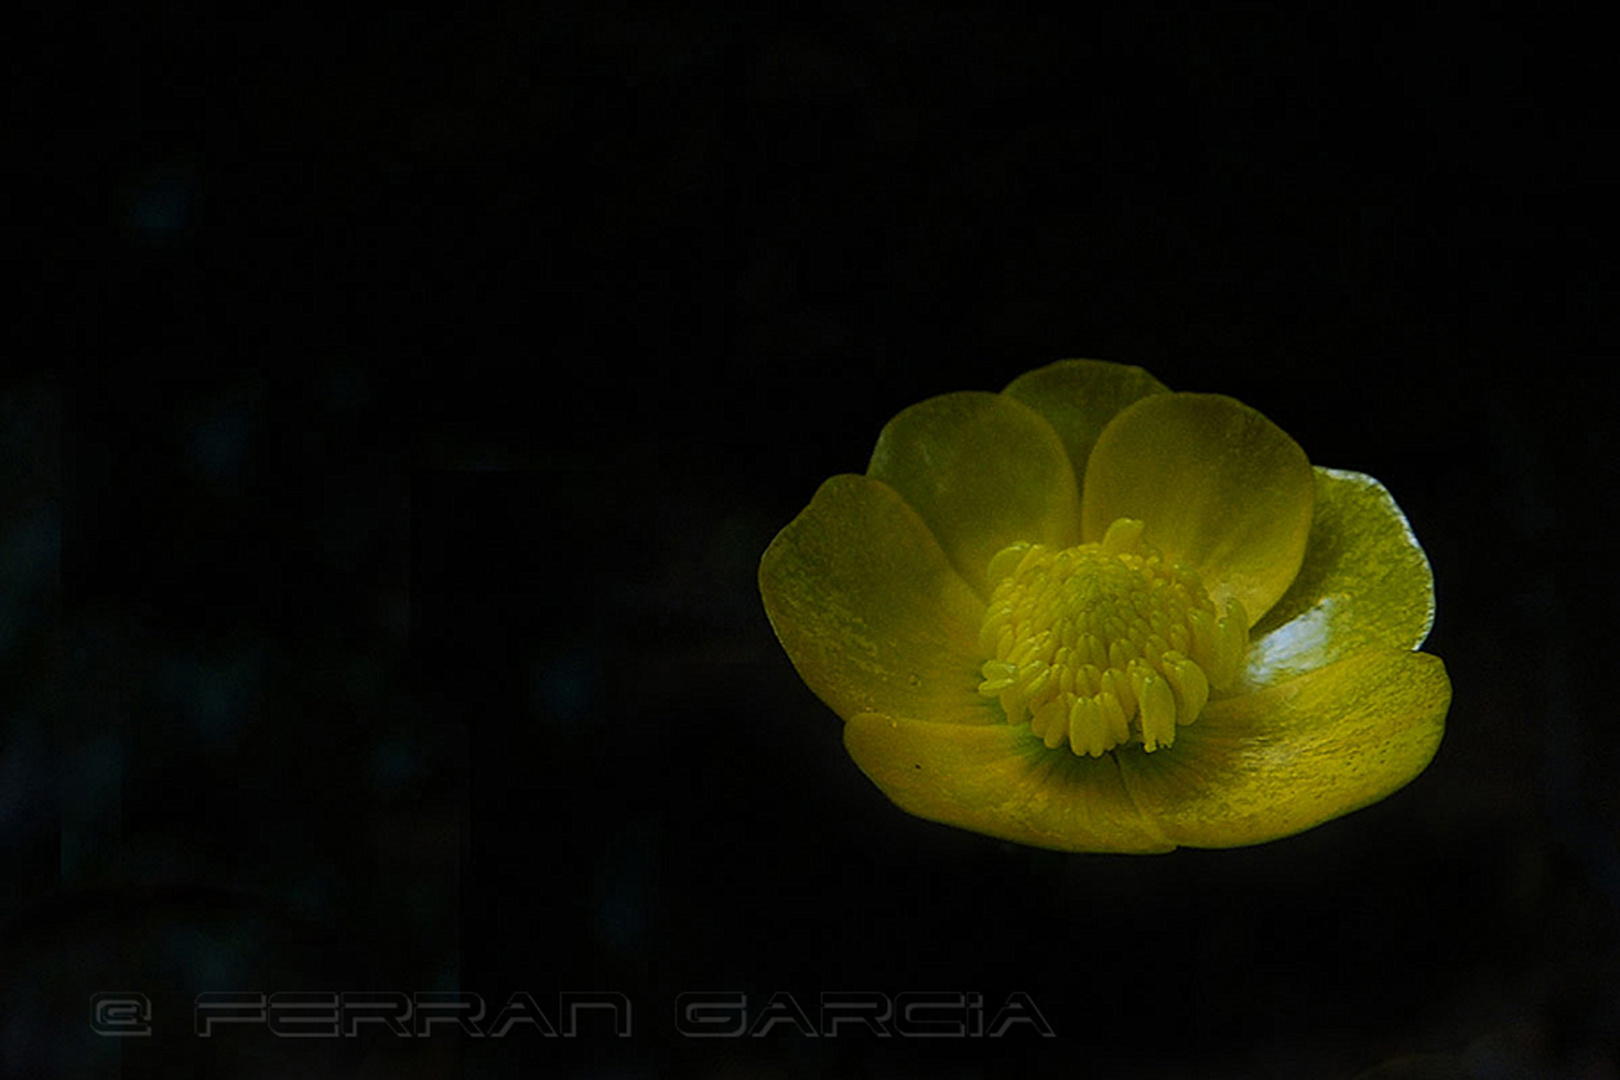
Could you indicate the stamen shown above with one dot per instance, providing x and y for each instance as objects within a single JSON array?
[{"x": 1105, "y": 644}]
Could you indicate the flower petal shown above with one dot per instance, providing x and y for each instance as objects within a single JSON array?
[
  {"x": 870, "y": 611},
  {"x": 983, "y": 471},
  {"x": 1221, "y": 488},
  {"x": 1003, "y": 782},
  {"x": 1272, "y": 763},
  {"x": 1079, "y": 397},
  {"x": 1365, "y": 584}
]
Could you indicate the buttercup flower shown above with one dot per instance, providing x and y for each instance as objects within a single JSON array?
[{"x": 1090, "y": 614}]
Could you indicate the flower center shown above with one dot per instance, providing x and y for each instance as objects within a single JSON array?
[{"x": 1104, "y": 644}]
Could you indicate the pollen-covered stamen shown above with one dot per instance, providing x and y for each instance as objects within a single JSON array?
[{"x": 1104, "y": 644}]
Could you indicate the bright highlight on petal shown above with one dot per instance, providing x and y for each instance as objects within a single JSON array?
[
  {"x": 1090, "y": 614},
  {"x": 1365, "y": 584}
]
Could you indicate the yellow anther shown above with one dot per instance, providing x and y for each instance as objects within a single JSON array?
[
  {"x": 1158, "y": 712},
  {"x": 1124, "y": 535},
  {"x": 1187, "y": 679},
  {"x": 1105, "y": 644},
  {"x": 1006, "y": 560},
  {"x": 1086, "y": 727},
  {"x": 1116, "y": 726}
]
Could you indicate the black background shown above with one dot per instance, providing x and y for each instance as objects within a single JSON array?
[{"x": 401, "y": 403}]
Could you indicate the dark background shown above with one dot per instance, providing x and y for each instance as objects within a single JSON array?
[{"x": 401, "y": 403}]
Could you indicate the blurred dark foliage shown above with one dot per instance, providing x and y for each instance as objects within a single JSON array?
[{"x": 399, "y": 405}]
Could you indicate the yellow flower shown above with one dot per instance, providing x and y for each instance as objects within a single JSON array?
[{"x": 1090, "y": 614}]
